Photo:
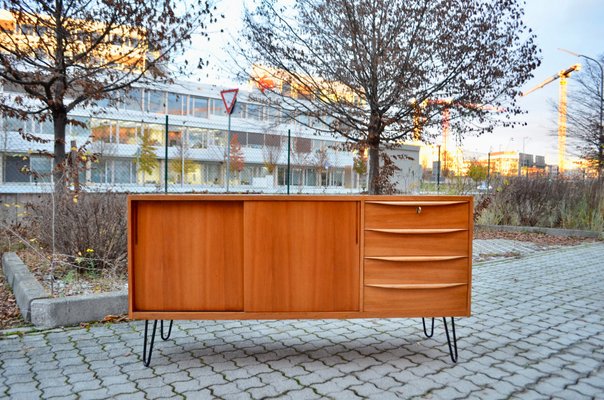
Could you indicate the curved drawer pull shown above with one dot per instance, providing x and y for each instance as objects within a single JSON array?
[
  {"x": 419, "y": 209},
  {"x": 415, "y": 203},
  {"x": 415, "y": 285},
  {"x": 417, "y": 231}
]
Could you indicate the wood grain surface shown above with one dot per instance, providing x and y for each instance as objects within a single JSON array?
[
  {"x": 421, "y": 215},
  {"x": 188, "y": 256},
  {"x": 301, "y": 256}
]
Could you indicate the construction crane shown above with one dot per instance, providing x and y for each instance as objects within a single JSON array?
[
  {"x": 563, "y": 76},
  {"x": 445, "y": 104}
]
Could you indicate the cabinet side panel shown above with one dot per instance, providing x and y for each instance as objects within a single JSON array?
[
  {"x": 188, "y": 256},
  {"x": 301, "y": 256}
]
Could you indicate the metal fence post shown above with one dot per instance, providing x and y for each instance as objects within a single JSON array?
[
  {"x": 166, "y": 158},
  {"x": 289, "y": 138}
]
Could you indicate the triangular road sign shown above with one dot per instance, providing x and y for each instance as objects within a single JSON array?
[{"x": 228, "y": 98}]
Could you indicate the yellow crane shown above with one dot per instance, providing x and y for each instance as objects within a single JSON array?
[{"x": 563, "y": 76}]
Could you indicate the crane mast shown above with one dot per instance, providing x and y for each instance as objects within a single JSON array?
[{"x": 563, "y": 76}]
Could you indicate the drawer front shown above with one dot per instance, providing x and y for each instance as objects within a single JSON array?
[
  {"x": 425, "y": 302},
  {"x": 399, "y": 244},
  {"x": 431, "y": 270},
  {"x": 409, "y": 214}
]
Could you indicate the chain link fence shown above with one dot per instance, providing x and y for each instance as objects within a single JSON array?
[{"x": 122, "y": 150}]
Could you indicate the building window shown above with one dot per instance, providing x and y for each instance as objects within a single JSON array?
[
  {"x": 128, "y": 132},
  {"x": 198, "y": 107},
  {"x": 255, "y": 140},
  {"x": 156, "y": 102},
  {"x": 310, "y": 178},
  {"x": 214, "y": 175},
  {"x": 15, "y": 169},
  {"x": 198, "y": 138},
  {"x": 41, "y": 168},
  {"x": 103, "y": 130},
  {"x": 175, "y": 104},
  {"x": 255, "y": 111},
  {"x": 155, "y": 134},
  {"x": 79, "y": 128},
  {"x": 133, "y": 100},
  {"x": 274, "y": 114},
  {"x": 296, "y": 176},
  {"x": 241, "y": 138},
  {"x": 250, "y": 172},
  {"x": 337, "y": 177},
  {"x": 302, "y": 145},
  {"x": 124, "y": 171},
  {"x": 174, "y": 136},
  {"x": 240, "y": 110},
  {"x": 98, "y": 172},
  {"x": 217, "y": 107},
  {"x": 12, "y": 124},
  {"x": 217, "y": 138}
]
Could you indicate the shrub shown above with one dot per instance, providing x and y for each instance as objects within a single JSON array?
[
  {"x": 550, "y": 203},
  {"x": 90, "y": 228}
]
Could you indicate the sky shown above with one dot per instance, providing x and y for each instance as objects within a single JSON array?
[{"x": 576, "y": 25}]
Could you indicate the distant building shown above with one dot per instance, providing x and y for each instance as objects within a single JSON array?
[
  {"x": 513, "y": 163},
  {"x": 407, "y": 177}
]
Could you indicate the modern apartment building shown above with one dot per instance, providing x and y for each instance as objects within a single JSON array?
[{"x": 189, "y": 122}]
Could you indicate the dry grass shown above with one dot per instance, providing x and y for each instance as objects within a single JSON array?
[{"x": 549, "y": 203}]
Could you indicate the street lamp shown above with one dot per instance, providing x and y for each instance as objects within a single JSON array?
[{"x": 601, "y": 139}]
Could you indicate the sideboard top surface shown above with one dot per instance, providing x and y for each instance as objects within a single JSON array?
[{"x": 292, "y": 197}]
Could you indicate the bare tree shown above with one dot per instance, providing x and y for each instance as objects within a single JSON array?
[
  {"x": 63, "y": 54},
  {"x": 320, "y": 163},
  {"x": 583, "y": 118},
  {"x": 271, "y": 152},
  {"x": 361, "y": 68}
]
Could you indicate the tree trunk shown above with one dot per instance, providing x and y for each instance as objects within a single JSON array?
[
  {"x": 374, "y": 169},
  {"x": 60, "y": 168}
]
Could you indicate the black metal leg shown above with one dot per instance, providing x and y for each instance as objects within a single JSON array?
[
  {"x": 454, "y": 347},
  {"x": 431, "y": 330},
  {"x": 161, "y": 330},
  {"x": 147, "y": 360}
]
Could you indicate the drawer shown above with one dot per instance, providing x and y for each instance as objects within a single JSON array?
[
  {"x": 425, "y": 270},
  {"x": 417, "y": 214},
  {"x": 414, "y": 301},
  {"x": 396, "y": 243}
]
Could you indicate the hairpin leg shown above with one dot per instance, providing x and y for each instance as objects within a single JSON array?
[
  {"x": 147, "y": 359},
  {"x": 161, "y": 330},
  {"x": 454, "y": 347},
  {"x": 431, "y": 330}
]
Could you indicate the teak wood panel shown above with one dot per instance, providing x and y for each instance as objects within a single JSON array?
[
  {"x": 302, "y": 256},
  {"x": 396, "y": 244},
  {"x": 428, "y": 302},
  {"x": 442, "y": 271},
  {"x": 421, "y": 215},
  {"x": 188, "y": 256}
]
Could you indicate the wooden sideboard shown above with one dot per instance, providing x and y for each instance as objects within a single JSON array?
[{"x": 276, "y": 257}]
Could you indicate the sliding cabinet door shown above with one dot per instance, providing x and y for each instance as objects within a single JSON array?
[{"x": 301, "y": 256}]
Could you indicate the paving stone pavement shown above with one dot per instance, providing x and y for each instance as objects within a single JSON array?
[{"x": 537, "y": 331}]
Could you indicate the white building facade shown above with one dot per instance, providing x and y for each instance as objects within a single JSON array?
[{"x": 188, "y": 120}]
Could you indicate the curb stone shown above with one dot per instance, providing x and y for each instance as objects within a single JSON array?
[
  {"x": 546, "y": 231},
  {"x": 66, "y": 311},
  {"x": 26, "y": 287},
  {"x": 43, "y": 311}
]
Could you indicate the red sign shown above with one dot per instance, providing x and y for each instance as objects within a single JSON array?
[{"x": 228, "y": 98}]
